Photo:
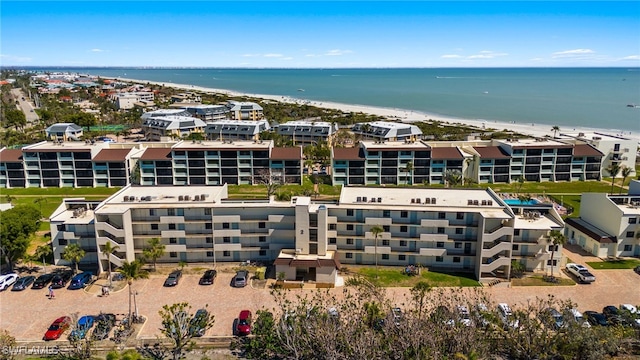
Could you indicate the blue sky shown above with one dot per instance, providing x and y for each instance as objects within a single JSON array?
[{"x": 301, "y": 34}]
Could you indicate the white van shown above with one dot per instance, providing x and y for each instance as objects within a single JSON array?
[
  {"x": 506, "y": 315},
  {"x": 577, "y": 316}
]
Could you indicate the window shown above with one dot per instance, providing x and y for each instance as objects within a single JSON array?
[
  {"x": 628, "y": 248},
  {"x": 553, "y": 247},
  {"x": 403, "y": 242},
  {"x": 332, "y": 226},
  {"x": 226, "y": 253},
  {"x": 62, "y": 241},
  {"x": 209, "y": 253},
  {"x": 262, "y": 225},
  {"x": 385, "y": 256},
  {"x": 225, "y": 225},
  {"x": 402, "y": 257},
  {"x": 439, "y": 259},
  {"x": 629, "y": 234},
  {"x": 172, "y": 226},
  {"x": 516, "y": 232},
  {"x": 440, "y": 244},
  {"x": 456, "y": 259},
  {"x": 632, "y": 220},
  {"x": 152, "y": 212},
  {"x": 458, "y": 245},
  {"x": 386, "y": 213},
  {"x": 460, "y": 216},
  {"x": 207, "y": 211},
  {"x": 349, "y": 241},
  {"x": 386, "y": 228},
  {"x": 208, "y": 226},
  {"x": 262, "y": 239},
  {"x": 550, "y": 262},
  {"x": 263, "y": 253},
  {"x": 154, "y": 226},
  {"x": 515, "y": 247},
  {"x": 173, "y": 241},
  {"x": 442, "y": 215},
  {"x": 173, "y": 254},
  {"x": 209, "y": 240},
  {"x": 403, "y": 228},
  {"x": 404, "y": 214},
  {"x": 332, "y": 240},
  {"x": 226, "y": 239},
  {"x": 458, "y": 231},
  {"x": 171, "y": 212},
  {"x": 349, "y": 255},
  {"x": 349, "y": 212},
  {"x": 350, "y": 227},
  {"x": 385, "y": 242},
  {"x": 440, "y": 230}
]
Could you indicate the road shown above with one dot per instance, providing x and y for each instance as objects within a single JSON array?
[{"x": 25, "y": 105}]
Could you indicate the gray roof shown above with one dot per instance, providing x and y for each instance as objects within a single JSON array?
[
  {"x": 237, "y": 127},
  {"x": 320, "y": 128},
  {"x": 165, "y": 112},
  {"x": 384, "y": 129},
  {"x": 243, "y": 106},
  {"x": 173, "y": 122},
  {"x": 63, "y": 127}
]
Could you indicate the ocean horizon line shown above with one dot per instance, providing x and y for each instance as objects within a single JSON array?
[{"x": 147, "y": 67}]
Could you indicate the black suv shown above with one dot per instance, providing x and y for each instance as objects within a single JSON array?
[
  {"x": 61, "y": 279},
  {"x": 208, "y": 278}
]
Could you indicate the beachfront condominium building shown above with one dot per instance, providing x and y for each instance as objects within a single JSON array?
[
  {"x": 244, "y": 110},
  {"x": 165, "y": 128},
  {"x": 616, "y": 149},
  {"x": 206, "y": 113},
  {"x": 471, "y": 231},
  {"x": 235, "y": 129},
  {"x": 64, "y": 132},
  {"x": 128, "y": 100},
  {"x": 12, "y": 174},
  {"x": 164, "y": 112},
  {"x": 387, "y": 131},
  {"x": 609, "y": 225},
  {"x": 306, "y": 132}
]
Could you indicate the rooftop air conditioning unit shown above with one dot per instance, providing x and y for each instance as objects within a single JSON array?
[
  {"x": 181, "y": 198},
  {"x": 196, "y": 198},
  {"x": 187, "y": 198}
]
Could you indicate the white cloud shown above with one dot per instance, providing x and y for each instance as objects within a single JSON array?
[
  {"x": 97, "y": 50},
  {"x": 486, "y": 54},
  {"x": 572, "y": 53},
  {"x": 287, "y": 58},
  {"x": 273, "y": 55},
  {"x": 631, "y": 57},
  {"x": 337, "y": 52},
  {"x": 536, "y": 59},
  {"x": 14, "y": 59},
  {"x": 451, "y": 56},
  {"x": 250, "y": 55}
]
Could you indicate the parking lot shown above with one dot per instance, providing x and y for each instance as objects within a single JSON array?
[{"x": 27, "y": 314}]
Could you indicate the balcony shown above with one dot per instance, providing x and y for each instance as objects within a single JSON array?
[
  {"x": 434, "y": 237},
  {"x": 433, "y": 251},
  {"x": 377, "y": 221},
  {"x": 172, "y": 233},
  {"x": 171, "y": 219},
  {"x": 434, "y": 223},
  {"x": 381, "y": 250}
]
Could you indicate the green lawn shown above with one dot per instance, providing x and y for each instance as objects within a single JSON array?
[
  {"x": 537, "y": 280},
  {"x": 617, "y": 264},
  {"x": 394, "y": 277},
  {"x": 66, "y": 192}
]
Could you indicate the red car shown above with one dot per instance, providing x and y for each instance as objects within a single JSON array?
[
  {"x": 244, "y": 323},
  {"x": 57, "y": 328}
]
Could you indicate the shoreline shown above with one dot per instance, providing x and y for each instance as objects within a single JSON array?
[{"x": 408, "y": 116}]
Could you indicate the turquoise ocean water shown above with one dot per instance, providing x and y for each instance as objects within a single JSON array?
[{"x": 567, "y": 97}]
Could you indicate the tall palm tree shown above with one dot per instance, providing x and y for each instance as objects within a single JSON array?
[
  {"x": 555, "y": 130},
  {"x": 409, "y": 169},
  {"x": 154, "y": 250},
  {"x": 132, "y": 271},
  {"x": 453, "y": 177},
  {"x": 73, "y": 253},
  {"x": 42, "y": 252},
  {"x": 613, "y": 170},
  {"x": 376, "y": 230},
  {"x": 626, "y": 171},
  {"x": 555, "y": 238},
  {"x": 107, "y": 250}
]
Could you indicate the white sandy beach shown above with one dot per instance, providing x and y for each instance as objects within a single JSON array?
[{"x": 532, "y": 129}]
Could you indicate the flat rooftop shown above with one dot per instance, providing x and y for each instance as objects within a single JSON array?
[
  {"x": 592, "y": 135},
  {"x": 65, "y": 146},
  {"x": 156, "y": 196},
  {"x": 458, "y": 198},
  {"x": 391, "y": 145},
  {"x": 231, "y": 145},
  {"x": 535, "y": 223},
  {"x": 534, "y": 143}
]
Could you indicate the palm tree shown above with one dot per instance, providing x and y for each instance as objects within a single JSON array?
[
  {"x": 555, "y": 130},
  {"x": 409, "y": 169},
  {"x": 555, "y": 238},
  {"x": 453, "y": 177},
  {"x": 132, "y": 271},
  {"x": 613, "y": 170},
  {"x": 73, "y": 253},
  {"x": 42, "y": 252},
  {"x": 626, "y": 171},
  {"x": 39, "y": 201},
  {"x": 376, "y": 230},
  {"x": 154, "y": 251},
  {"x": 107, "y": 250}
]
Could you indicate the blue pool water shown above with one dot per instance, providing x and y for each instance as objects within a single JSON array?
[{"x": 518, "y": 202}]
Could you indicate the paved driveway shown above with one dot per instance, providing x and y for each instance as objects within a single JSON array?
[{"x": 27, "y": 314}]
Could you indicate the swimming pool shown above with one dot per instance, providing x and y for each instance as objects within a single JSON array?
[{"x": 518, "y": 202}]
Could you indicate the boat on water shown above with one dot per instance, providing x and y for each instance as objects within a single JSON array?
[
  {"x": 633, "y": 106},
  {"x": 301, "y": 90}
]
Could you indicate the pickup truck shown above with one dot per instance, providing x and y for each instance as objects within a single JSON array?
[{"x": 581, "y": 272}]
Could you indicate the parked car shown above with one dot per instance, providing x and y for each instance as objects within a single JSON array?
[
  {"x": 613, "y": 314},
  {"x": 396, "y": 312},
  {"x": 208, "y": 278},
  {"x": 23, "y": 283},
  {"x": 7, "y": 280},
  {"x": 481, "y": 315},
  {"x": 576, "y": 316},
  {"x": 244, "y": 323},
  {"x": 57, "y": 328},
  {"x": 104, "y": 324},
  {"x": 630, "y": 314},
  {"x": 61, "y": 279},
  {"x": 85, "y": 323},
  {"x": 596, "y": 318},
  {"x": 42, "y": 281},
  {"x": 506, "y": 315},
  {"x": 464, "y": 317},
  {"x": 173, "y": 278},
  {"x": 80, "y": 281},
  {"x": 637, "y": 269},
  {"x": 552, "y": 318},
  {"x": 241, "y": 278},
  {"x": 198, "y": 324},
  {"x": 581, "y": 272}
]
